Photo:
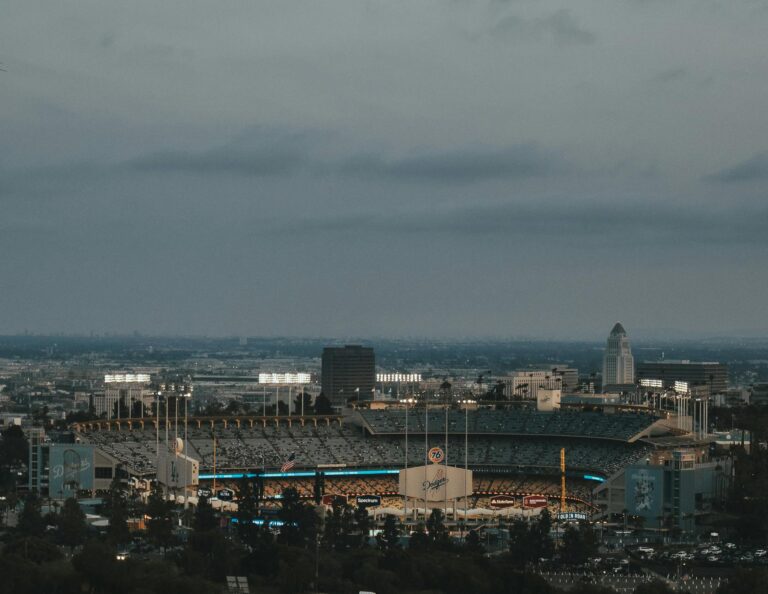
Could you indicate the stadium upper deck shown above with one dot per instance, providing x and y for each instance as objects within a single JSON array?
[
  {"x": 619, "y": 426},
  {"x": 517, "y": 441}
]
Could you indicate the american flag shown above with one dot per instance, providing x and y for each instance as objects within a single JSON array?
[{"x": 289, "y": 463}]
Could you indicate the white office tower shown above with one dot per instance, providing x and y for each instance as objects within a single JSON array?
[{"x": 618, "y": 363}]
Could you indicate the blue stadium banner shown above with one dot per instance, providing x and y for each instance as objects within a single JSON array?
[
  {"x": 71, "y": 469},
  {"x": 644, "y": 491}
]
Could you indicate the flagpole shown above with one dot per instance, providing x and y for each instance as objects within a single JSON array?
[
  {"x": 157, "y": 433},
  {"x": 426, "y": 450},
  {"x": 466, "y": 455},
  {"x": 166, "y": 442},
  {"x": 213, "y": 435},
  {"x": 186, "y": 421},
  {"x": 405, "y": 495},
  {"x": 445, "y": 486},
  {"x": 176, "y": 442}
]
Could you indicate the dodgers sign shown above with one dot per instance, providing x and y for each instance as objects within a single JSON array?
[{"x": 435, "y": 482}]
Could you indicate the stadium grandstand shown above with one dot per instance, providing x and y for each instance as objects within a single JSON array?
[{"x": 513, "y": 452}]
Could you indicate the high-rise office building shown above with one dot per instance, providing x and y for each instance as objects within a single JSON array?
[
  {"x": 348, "y": 372},
  {"x": 684, "y": 375},
  {"x": 618, "y": 363}
]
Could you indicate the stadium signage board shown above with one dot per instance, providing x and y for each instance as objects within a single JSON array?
[
  {"x": 436, "y": 455},
  {"x": 203, "y": 492},
  {"x": 571, "y": 516},
  {"x": 332, "y": 500},
  {"x": 435, "y": 482},
  {"x": 502, "y": 501},
  {"x": 368, "y": 500},
  {"x": 225, "y": 494},
  {"x": 534, "y": 501}
]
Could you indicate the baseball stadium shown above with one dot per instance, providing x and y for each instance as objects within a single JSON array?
[{"x": 518, "y": 457}]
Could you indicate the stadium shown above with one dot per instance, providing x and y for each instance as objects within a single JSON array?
[{"x": 514, "y": 452}]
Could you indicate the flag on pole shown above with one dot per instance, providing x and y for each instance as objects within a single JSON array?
[{"x": 289, "y": 463}]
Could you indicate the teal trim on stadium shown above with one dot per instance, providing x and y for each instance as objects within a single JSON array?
[{"x": 298, "y": 474}]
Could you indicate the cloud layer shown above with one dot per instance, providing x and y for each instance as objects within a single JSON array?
[{"x": 345, "y": 168}]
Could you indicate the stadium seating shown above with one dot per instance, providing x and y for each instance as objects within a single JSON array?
[
  {"x": 619, "y": 426},
  {"x": 529, "y": 442}
]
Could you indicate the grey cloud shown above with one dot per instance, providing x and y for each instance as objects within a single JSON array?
[
  {"x": 282, "y": 155},
  {"x": 465, "y": 166},
  {"x": 670, "y": 75},
  {"x": 561, "y": 26},
  {"x": 257, "y": 153},
  {"x": 287, "y": 155},
  {"x": 753, "y": 169},
  {"x": 639, "y": 222},
  {"x": 255, "y": 162}
]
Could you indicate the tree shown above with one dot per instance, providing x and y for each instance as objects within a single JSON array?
[
  {"x": 472, "y": 542},
  {"x": 299, "y": 520},
  {"x": 117, "y": 512},
  {"x": 531, "y": 541},
  {"x": 246, "y": 513},
  {"x": 362, "y": 525},
  {"x": 389, "y": 538},
  {"x": 419, "y": 540},
  {"x": 542, "y": 540},
  {"x": 72, "y": 526},
  {"x": 438, "y": 533},
  {"x": 97, "y": 564},
  {"x": 323, "y": 405},
  {"x": 332, "y": 533},
  {"x": 579, "y": 544},
  {"x": 33, "y": 548},
  {"x": 14, "y": 448},
  {"x": 159, "y": 526},
  {"x": 31, "y": 520},
  {"x": 307, "y": 401},
  {"x": 264, "y": 558},
  {"x": 236, "y": 407},
  {"x": 205, "y": 518}
]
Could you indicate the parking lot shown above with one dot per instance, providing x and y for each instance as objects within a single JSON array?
[{"x": 726, "y": 554}]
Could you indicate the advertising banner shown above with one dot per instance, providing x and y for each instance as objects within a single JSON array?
[
  {"x": 534, "y": 501},
  {"x": 334, "y": 500},
  {"x": 368, "y": 500},
  {"x": 502, "y": 501}
]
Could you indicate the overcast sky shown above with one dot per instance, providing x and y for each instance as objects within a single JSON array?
[{"x": 381, "y": 168}]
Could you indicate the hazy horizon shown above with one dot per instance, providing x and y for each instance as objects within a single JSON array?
[{"x": 640, "y": 337}]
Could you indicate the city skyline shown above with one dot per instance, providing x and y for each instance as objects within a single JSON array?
[{"x": 378, "y": 169}]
